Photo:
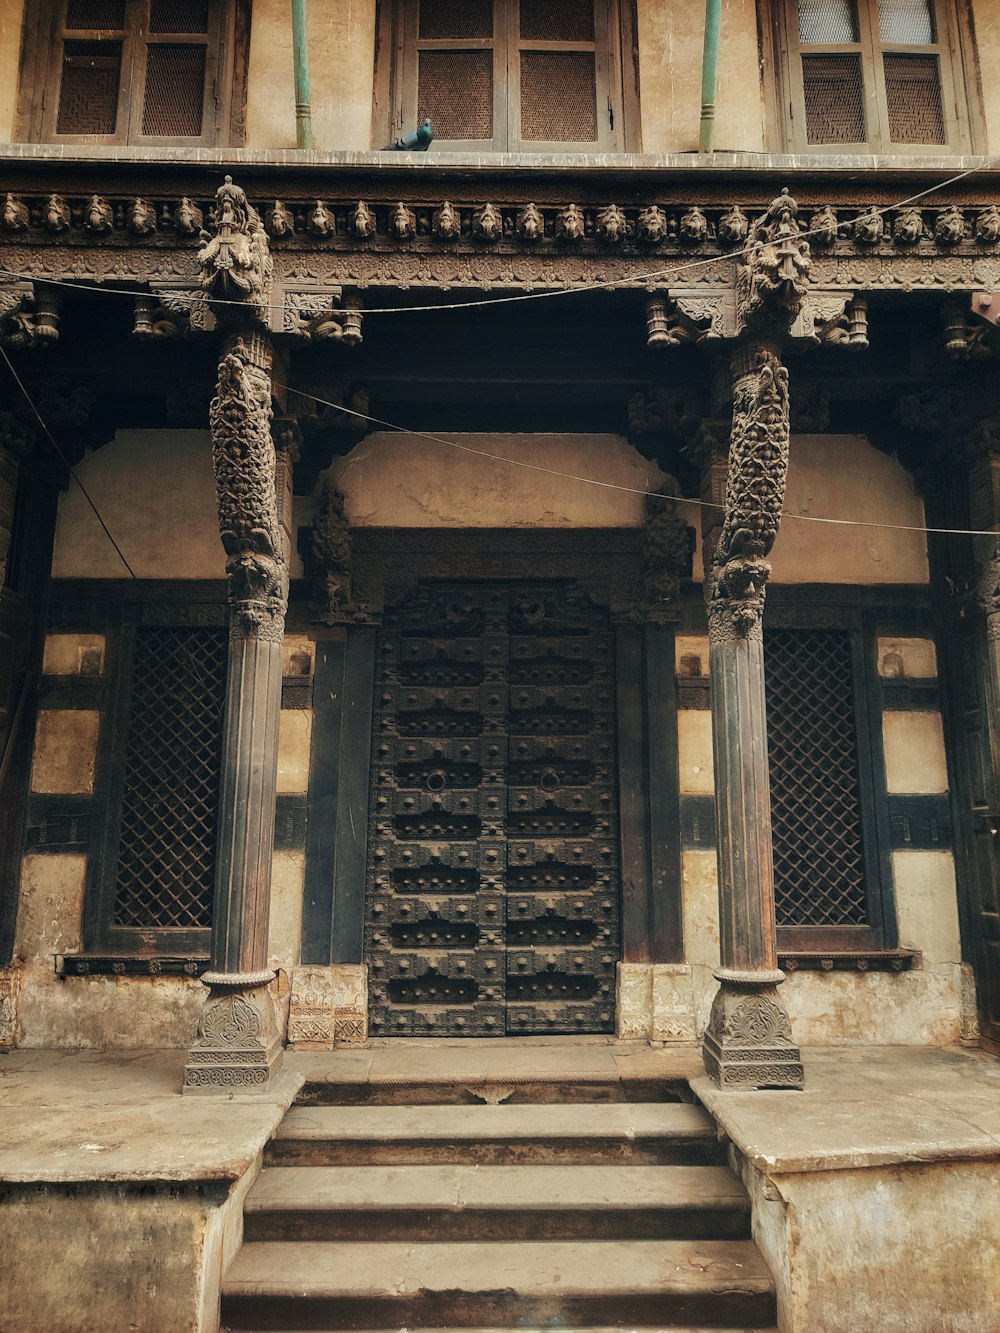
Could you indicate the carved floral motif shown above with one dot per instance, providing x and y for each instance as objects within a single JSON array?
[
  {"x": 243, "y": 454},
  {"x": 755, "y": 491}
]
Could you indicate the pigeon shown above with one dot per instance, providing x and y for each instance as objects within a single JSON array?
[{"x": 417, "y": 141}]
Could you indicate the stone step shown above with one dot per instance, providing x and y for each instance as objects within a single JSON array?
[
  {"x": 519, "y": 1089},
  {"x": 493, "y": 1203},
  {"x": 522, "y": 1328},
  {"x": 665, "y": 1283},
  {"x": 596, "y": 1134}
]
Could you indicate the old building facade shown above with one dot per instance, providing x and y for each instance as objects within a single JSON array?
[{"x": 463, "y": 727}]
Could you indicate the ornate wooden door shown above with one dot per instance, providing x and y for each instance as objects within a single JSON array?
[{"x": 493, "y": 880}]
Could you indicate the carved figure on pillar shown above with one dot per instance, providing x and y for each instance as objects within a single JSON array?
[
  {"x": 238, "y": 1045},
  {"x": 748, "y": 1042}
]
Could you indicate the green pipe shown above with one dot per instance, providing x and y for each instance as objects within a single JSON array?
[
  {"x": 709, "y": 74},
  {"x": 303, "y": 106}
]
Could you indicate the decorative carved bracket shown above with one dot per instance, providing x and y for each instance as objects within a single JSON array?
[
  {"x": 235, "y": 261},
  {"x": 326, "y": 553},
  {"x": 29, "y": 314},
  {"x": 319, "y": 314}
]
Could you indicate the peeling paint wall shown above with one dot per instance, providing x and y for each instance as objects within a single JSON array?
[{"x": 904, "y": 1249}]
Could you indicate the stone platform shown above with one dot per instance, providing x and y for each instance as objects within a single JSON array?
[{"x": 876, "y": 1191}]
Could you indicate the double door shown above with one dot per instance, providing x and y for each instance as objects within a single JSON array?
[{"x": 493, "y": 903}]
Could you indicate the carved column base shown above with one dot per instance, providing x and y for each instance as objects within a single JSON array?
[
  {"x": 748, "y": 1042},
  {"x": 238, "y": 1046}
]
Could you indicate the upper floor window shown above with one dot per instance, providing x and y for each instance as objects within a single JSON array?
[
  {"x": 129, "y": 71},
  {"x": 511, "y": 75},
  {"x": 879, "y": 75}
]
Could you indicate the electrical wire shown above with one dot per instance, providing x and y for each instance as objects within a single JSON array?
[
  {"x": 86, "y": 494},
  {"x": 618, "y": 486}
]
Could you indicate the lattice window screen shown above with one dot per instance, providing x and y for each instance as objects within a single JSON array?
[
  {"x": 819, "y": 877},
  {"x": 166, "y": 860},
  {"x": 834, "y": 98}
]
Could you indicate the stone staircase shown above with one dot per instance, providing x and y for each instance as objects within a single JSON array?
[{"x": 427, "y": 1207}]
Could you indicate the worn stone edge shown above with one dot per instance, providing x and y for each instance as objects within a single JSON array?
[
  {"x": 281, "y": 1096},
  {"x": 714, "y": 1100}
]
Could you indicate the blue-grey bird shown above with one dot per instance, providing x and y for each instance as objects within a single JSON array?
[{"x": 417, "y": 141}]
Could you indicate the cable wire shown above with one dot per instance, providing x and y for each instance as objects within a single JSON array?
[{"x": 52, "y": 440}]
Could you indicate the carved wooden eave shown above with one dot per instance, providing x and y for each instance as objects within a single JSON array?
[{"x": 399, "y": 231}]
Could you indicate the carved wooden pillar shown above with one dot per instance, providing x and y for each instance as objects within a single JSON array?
[
  {"x": 748, "y": 1042},
  {"x": 238, "y": 1046}
]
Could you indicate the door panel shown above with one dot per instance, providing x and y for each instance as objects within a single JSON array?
[{"x": 493, "y": 898}]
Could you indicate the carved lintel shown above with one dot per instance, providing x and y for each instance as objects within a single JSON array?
[
  {"x": 748, "y": 1042},
  {"x": 235, "y": 261},
  {"x": 238, "y": 1045},
  {"x": 755, "y": 491},
  {"x": 29, "y": 314},
  {"x": 243, "y": 454},
  {"x": 773, "y": 277}
]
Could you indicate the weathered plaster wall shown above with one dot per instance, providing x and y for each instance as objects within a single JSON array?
[
  {"x": 11, "y": 14},
  {"x": 392, "y": 481},
  {"x": 844, "y": 477},
  {"x": 986, "y": 18},
  {"x": 904, "y": 1249},
  {"x": 671, "y": 40},
  {"x": 155, "y": 491},
  {"x": 342, "y": 75}
]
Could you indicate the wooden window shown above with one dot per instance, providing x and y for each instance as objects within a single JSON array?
[
  {"x": 829, "y": 822},
  {"x": 509, "y": 75},
  {"x": 134, "y": 71},
  {"x": 152, "y": 879},
  {"x": 872, "y": 75}
]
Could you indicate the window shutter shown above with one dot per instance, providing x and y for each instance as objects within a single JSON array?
[
  {"x": 174, "y": 59},
  {"x": 455, "y": 69},
  {"x": 90, "y": 67}
]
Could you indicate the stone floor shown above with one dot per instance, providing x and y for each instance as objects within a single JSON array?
[{"x": 119, "y": 1115}]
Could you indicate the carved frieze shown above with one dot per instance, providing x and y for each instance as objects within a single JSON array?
[{"x": 320, "y": 315}]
